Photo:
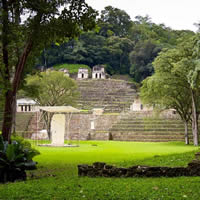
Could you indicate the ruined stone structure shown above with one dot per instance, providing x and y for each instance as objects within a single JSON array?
[
  {"x": 138, "y": 106},
  {"x": 98, "y": 72},
  {"x": 115, "y": 120},
  {"x": 26, "y": 105},
  {"x": 65, "y": 71},
  {"x": 83, "y": 73},
  {"x": 114, "y": 96},
  {"x": 91, "y": 126},
  {"x": 104, "y": 170}
]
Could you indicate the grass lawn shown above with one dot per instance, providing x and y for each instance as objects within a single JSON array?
[
  {"x": 73, "y": 68},
  {"x": 56, "y": 177}
]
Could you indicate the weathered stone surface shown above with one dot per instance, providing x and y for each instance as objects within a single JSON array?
[
  {"x": 194, "y": 168},
  {"x": 102, "y": 169},
  {"x": 99, "y": 165}
]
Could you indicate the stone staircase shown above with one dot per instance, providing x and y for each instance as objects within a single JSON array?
[
  {"x": 142, "y": 127},
  {"x": 112, "y": 95}
]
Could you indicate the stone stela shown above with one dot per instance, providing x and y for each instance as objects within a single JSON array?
[{"x": 58, "y": 122}]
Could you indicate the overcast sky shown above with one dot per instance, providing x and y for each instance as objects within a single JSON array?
[{"x": 177, "y": 14}]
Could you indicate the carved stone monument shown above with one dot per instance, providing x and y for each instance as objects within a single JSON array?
[{"x": 58, "y": 122}]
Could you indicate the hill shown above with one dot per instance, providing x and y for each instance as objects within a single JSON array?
[{"x": 73, "y": 68}]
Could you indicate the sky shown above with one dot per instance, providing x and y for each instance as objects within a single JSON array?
[{"x": 176, "y": 14}]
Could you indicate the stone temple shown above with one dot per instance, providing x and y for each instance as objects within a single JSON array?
[
  {"x": 98, "y": 72},
  {"x": 83, "y": 73}
]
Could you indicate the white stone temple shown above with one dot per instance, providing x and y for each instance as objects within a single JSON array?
[
  {"x": 98, "y": 72},
  {"x": 26, "y": 105},
  {"x": 83, "y": 73}
]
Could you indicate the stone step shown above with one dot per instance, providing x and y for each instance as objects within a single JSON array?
[
  {"x": 137, "y": 133},
  {"x": 103, "y": 101},
  {"x": 113, "y": 95},
  {"x": 148, "y": 137},
  {"x": 156, "y": 121},
  {"x": 164, "y": 130},
  {"x": 147, "y": 140},
  {"x": 96, "y": 97},
  {"x": 149, "y": 125}
]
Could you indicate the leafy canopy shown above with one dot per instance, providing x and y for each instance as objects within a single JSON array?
[{"x": 51, "y": 88}]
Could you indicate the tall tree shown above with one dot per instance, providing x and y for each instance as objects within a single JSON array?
[
  {"x": 51, "y": 88},
  {"x": 114, "y": 22},
  {"x": 119, "y": 49},
  {"x": 176, "y": 81},
  {"x": 164, "y": 91},
  {"x": 27, "y": 27},
  {"x": 141, "y": 59}
]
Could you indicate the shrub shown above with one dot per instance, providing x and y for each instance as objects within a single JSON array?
[{"x": 15, "y": 158}]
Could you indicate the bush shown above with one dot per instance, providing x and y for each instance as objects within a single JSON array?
[{"x": 15, "y": 158}]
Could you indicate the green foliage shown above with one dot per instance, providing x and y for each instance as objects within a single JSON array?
[
  {"x": 16, "y": 158},
  {"x": 141, "y": 59},
  {"x": 73, "y": 68},
  {"x": 90, "y": 50},
  {"x": 52, "y": 88},
  {"x": 175, "y": 83},
  {"x": 24, "y": 36},
  {"x": 114, "y": 22},
  {"x": 119, "y": 49},
  {"x": 169, "y": 85},
  {"x": 123, "y": 46}
]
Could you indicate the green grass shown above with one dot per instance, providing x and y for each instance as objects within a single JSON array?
[
  {"x": 73, "y": 68},
  {"x": 56, "y": 177}
]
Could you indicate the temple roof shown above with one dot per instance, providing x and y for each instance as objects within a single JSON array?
[{"x": 60, "y": 109}]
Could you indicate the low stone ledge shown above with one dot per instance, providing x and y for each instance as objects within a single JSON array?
[{"x": 103, "y": 170}]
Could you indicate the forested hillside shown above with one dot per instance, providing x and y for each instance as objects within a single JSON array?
[{"x": 122, "y": 45}]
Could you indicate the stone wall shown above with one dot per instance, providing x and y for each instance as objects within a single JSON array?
[
  {"x": 89, "y": 126},
  {"x": 138, "y": 126},
  {"x": 104, "y": 170},
  {"x": 80, "y": 126}
]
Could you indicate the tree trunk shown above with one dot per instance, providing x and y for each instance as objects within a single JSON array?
[
  {"x": 194, "y": 121},
  {"x": 14, "y": 115},
  {"x": 8, "y": 116},
  {"x": 48, "y": 118},
  {"x": 186, "y": 133},
  {"x": 11, "y": 93}
]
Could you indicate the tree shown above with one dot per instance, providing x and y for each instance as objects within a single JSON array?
[
  {"x": 163, "y": 92},
  {"x": 24, "y": 36},
  {"x": 114, "y": 22},
  {"x": 141, "y": 59},
  {"x": 51, "y": 88},
  {"x": 176, "y": 81},
  {"x": 119, "y": 49}
]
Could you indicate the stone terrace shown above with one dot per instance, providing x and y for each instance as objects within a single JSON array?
[
  {"x": 112, "y": 95},
  {"x": 136, "y": 126}
]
